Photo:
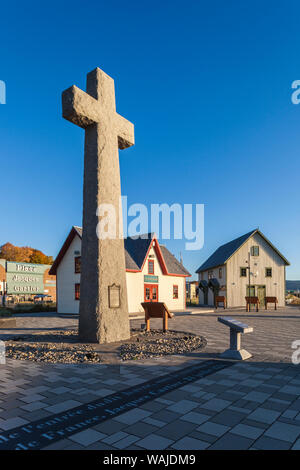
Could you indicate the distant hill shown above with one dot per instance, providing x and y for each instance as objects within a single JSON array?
[
  {"x": 292, "y": 285},
  {"x": 24, "y": 254}
]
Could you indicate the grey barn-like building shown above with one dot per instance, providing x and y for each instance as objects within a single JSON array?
[{"x": 226, "y": 272}]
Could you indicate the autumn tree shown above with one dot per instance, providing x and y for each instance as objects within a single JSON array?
[{"x": 24, "y": 254}]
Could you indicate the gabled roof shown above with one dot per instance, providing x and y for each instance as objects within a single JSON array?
[
  {"x": 224, "y": 252},
  {"x": 136, "y": 252},
  {"x": 173, "y": 265}
]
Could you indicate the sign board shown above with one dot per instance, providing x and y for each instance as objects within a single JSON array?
[
  {"x": 25, "y": 278},
  {"x": 151, "y": 279},
  {"x": 114, "y": 296}
]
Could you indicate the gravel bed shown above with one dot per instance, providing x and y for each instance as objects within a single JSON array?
[
  {"x": 51, "y": 347},
  {"x": 63, "y": 346},
  {"x": 156, "y": 343}
]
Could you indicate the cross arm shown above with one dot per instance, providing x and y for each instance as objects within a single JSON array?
[
  {"x": 79, "y": 107},
  {"x": 125, "y": 130}
]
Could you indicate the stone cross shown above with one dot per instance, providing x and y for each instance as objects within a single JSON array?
[{"x": 103, "y": 313}]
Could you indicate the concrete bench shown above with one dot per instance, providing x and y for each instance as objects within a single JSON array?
[{"x": 236, "y": 329}]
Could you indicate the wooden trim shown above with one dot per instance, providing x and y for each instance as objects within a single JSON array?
[
  {"x": 63, "y": 251},
  {"x": 176, "y": 298},
  {"x": 150, "y": 286},
  {"x": 77, "y": 293},
  {"x": 75, "y": 260}
]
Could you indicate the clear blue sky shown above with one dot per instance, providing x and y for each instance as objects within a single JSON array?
[{"x": 208, "y": 87}]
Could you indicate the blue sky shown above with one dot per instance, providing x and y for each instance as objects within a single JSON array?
[{"x": 208, "y": 87}]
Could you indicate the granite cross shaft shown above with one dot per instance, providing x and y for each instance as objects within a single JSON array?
[{"x": 103, "y": 313}]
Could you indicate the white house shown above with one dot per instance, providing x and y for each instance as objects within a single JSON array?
[
  {"x": 248, "y": 265},
  {"x": 153, "y": 274}
]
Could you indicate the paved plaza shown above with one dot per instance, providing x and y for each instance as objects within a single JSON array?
[{"x": 250, "y": 405}]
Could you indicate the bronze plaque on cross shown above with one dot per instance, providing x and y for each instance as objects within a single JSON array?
[{"x": 114, "y": 298}]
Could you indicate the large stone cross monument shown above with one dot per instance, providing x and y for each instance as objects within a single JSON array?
[{"x": 103, "y": 313}]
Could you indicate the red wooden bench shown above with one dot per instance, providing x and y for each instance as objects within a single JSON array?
[
  {"x": 220, "y": 299},
  {"x": 271, "y": 300},
  {"x": 251, "y": 301},
  {"x": 156, "y": 310}
]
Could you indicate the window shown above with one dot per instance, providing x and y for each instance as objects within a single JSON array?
[
  {"x": 150, "y": 266},
  {"x": 243, "y": 272},
  {"x": 77, "y": 261},
  {"x": 202, "y": 276},
  {"x": 220, "y": 273},
  {"x": 210, "y": 274},
  {"x": 77, "y": 291},
  {"x": 254, "y": 250},
  {"x": 175, "y": 292},
  {"x": 268, "y": 272}
]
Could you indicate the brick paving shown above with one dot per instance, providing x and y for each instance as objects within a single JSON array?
[{"x": 252, "y": 405}]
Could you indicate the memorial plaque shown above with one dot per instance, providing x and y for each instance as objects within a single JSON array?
[{"x": 114, "y": 296}]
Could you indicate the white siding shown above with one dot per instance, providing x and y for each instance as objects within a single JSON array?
[
  {"x": 222, "y": 281},
  {"x": 66, "y": 279},
  {"x": 236, "y": 286},
  {"x": 268, "y": 258}
]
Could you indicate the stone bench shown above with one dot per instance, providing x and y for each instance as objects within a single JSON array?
[{"x": 236, "y": 329}]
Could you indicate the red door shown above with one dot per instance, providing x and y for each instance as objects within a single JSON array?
[{"x": 151, "y": 292}]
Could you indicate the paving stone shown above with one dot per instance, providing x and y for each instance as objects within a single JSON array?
[
  {"x": 141, "y": 429},
  {"x": 154, "y": 422},
  {"x": 165, "y": 415},
  {"x": 267, "y": 443},
  {"x": 12, "y": 423},
  {"x": 154, "y": 442},
  {"x": 283, "y": 431},
  {"x": 231, "y": 441},
  {"x": 60, "y": 390},
  {"x": 126, "y": 442},
  {"x": 190, "y": 443},
  {"x": 87, "y": 437},
  {"x": 195, "y": 417},
  {"x": 263, "y": 415},
  {"x": 201, "y": 436},
  {"x": 37, "y": 405},
  {"x": 213, "y": 428},
  {"x": 216, "y": 404},
  {"x": 176, "y": 429},
  {"x": 110, "y": 427},
  {"x": 228, "y": 417},
  {"x": 183, "y": 406},
  {"x": 63, "y": 406},
  {"x": 296, "y": 446},
  {"x": 133, "y": 416},
  {"x": 115, "y": 437},
  {"x": 247, "y": 431}
]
